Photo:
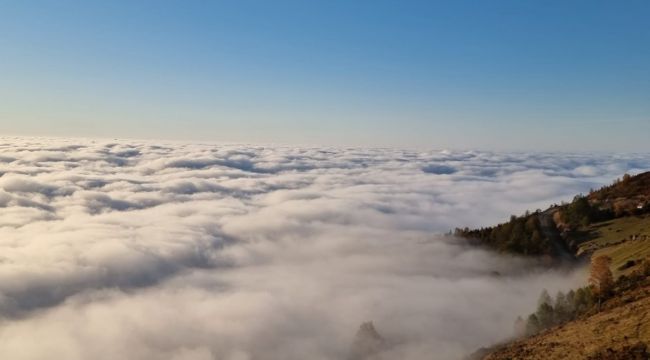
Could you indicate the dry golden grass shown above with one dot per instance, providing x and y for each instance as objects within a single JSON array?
[{"x": 623, "y": 323}]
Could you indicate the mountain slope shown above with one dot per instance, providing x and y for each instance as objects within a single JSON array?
[
  {"x": 559, "y": 231},
  {"x": 612, "y": 222},
  {"x": 621, "y": 330}
]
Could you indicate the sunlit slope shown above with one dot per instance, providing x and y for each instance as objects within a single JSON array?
[
  {"x": 626, "y": 240},
  {"x": 620, "y": 327},
  {"x": 619, "y": 331}
]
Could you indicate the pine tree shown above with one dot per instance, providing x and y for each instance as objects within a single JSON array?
[
  {"x": 544, "y": 298},
  {"x": 570, "y": 300},
  {"x": 532, "y": 325},
  {"x": 580, "y": 301},
  {"x": 589, "y": 295},
  {"x": 545, "y": 315},
  {"x": 561, "y": 308}
]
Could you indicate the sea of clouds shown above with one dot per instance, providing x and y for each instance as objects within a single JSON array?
[{"x": 166, "y": 250}]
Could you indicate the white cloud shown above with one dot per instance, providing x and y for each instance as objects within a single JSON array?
[{"x": 186, "y": 251}]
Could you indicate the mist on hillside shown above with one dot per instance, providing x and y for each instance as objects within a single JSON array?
[{"x": 142, "y": 250}]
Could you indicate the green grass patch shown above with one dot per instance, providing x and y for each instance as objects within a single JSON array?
[{"x": 613, "y": 238}]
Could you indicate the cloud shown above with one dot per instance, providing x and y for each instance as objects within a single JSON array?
[{"x": 144, "y": 250}]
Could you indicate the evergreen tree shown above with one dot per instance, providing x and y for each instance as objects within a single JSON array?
[
  {"x": 545, "y": 316},
  {"x": 570, "y": 300},
  {"x": 561, "y": 308},
  {"x": 532, "y": 325},
  {"x": 578, "y": 212},
  {"x": 544, "y": 298},
  {"x": 536, "y": 238},
  {"x": 589, "y": 298},
  {"x": 580, "y": 301}
]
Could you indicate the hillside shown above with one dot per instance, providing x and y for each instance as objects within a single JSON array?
[
  {"x": 621, "y": 330},
  {"x": 611, "y": 224},
  {"x": 626, "y": 240},
  {"x": 628, "y": 188},
  {"x": 571, "y": 230}
]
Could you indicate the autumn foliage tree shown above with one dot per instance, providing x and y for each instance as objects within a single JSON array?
[{"x": 600, "y": 277}]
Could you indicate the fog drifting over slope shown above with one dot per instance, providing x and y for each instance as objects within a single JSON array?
[{"x": 143, "y": 250}]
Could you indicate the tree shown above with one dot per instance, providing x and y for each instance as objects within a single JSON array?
[
  {"x": 544, "y": 298},
  {"x": 578, "y": 212},
  {"x": 600, "y": 277},
  {"x": 562, "y": 308},
  {"x": 532, "y": 224},
  {"x": 583, "y": 300},
  {"x": 570, "y": 300},
  {"x": 532, "y": 325},
  {"x": 589, "y": 297},
  {"x": 545, "y": 315},
  {"x": 517, "y": 236},
  {"x": 545, "y": 310},
  {"x": 536, "y": 243},
  {"x": 520, "y": 327},
  {"x": 580, "y": 301}
]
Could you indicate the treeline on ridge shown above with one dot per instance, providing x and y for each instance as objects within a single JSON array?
[
  {"x": 522, "y": 235},
  {"x": 562, "y": 226}
]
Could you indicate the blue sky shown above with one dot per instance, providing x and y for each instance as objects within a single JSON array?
[{"x": 530, "y": 75}]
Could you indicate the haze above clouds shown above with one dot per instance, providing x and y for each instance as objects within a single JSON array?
[{"x": 144, "y": 250}]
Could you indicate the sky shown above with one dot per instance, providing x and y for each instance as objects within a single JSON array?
[{"x": 528, "y": 75}]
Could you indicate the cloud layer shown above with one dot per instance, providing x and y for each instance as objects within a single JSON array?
[{"x": 146, "y": 250}]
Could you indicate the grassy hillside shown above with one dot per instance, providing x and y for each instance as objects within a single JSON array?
[
  {"x": 613, "y": 222},
  {"x": 620, "y": 330},
  {"x": 626, "y": 240}
]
